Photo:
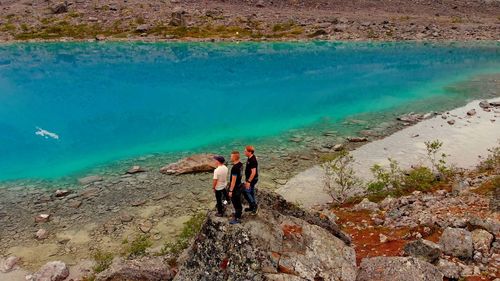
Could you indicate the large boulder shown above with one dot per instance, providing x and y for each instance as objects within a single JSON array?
[
  {"x": 423, "y": 249},
  {"x": 52, "y": 271},
  {"x": 457, "y": 242},
  {"x": 397, "y": 269},
  {"x": 274, "y": 245},
  {"x": 194, "y": 164},
  {"x": 147, "y": 269},
  {"x": 178, "y": 18}
]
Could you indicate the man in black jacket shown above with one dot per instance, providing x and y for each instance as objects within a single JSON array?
[
  {"x": 252, "y": 177},
  {"x": 235, "y": 186}
]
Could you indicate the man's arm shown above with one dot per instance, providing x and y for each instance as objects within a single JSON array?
[
  {"x": 233, "y": 183},
  {"x": 215, "y": 183},
  {"x": 252, "y": 175}
]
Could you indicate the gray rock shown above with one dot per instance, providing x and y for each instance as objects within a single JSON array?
[
  {"x": 42, "y": 234},
  {"x": 449, "y": 269},
  {"x": 423, "y": 249},
  {"x": 41, "y": 218},
  {"x": 357, "y": 139},
  {"x": 89, "y": 179},
  {"x": 451, "y": 122},
  {"x": 411, "y": 117},
  {"x": 367, "y": 205},
  {"x": 142, "y": 28},
  {"x": 60, "y": 8},
  {"x": 484, "y": 104},
  {"x": 487, "y": 224},
  {"x": 471, "y": 112},
  {"x": 52, "y": 271},
  {"x": 178, "y": 18},
  {"x": 135, "y": 169},
  {"x": 482, "y": 239},
  {"x": 457, "y": 242},
  {"x": 9, "y": 264},
  {"x": 61, "y": 192},
  {"x": 397, "y": 269},
  {"x": 147, "y": 269}
]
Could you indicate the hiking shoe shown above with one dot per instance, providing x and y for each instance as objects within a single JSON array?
[
  {"x": 219, "y": 215},
  {"x": 248, "y": 209},
  {"x": 235, "y": 221},
  {"x": 255, "y": 211}
]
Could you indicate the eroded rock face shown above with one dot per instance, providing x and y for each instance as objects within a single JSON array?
[
  {"x": 397, "y": 269},
  {"x": 269, "y": 246},
  {"x": 482, "y": 239},
  {"x": 147, "y": 269},
  {"x": 194, "y": 164},
  {"x": 457, "y": 242}
]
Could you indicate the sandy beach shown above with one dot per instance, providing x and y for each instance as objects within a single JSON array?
[{"x": 466, "y": 143}]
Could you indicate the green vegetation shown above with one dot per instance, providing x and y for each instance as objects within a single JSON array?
[
  {"x": 190, "y": 229},
  {"x": 456, "y": 19},
  {"x": 102, "y": 261},
  {"x": 391, "y": 178},
  {"x": 438, "y": 162},
  {"x": 492, "y": 163},
  {"x": 340, "y": 176},
  {"x": 138, "y": 246},
  {"x": 421, "y": 178}
]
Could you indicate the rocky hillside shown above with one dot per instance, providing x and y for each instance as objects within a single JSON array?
[{"x": 249, "y": 20}]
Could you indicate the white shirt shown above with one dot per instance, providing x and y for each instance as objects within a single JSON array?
[{"x": 220, "y": 174}]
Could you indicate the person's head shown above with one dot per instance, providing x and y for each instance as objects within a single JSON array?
[
  {"x": 249, "y": 150},
  {"x": 219, "y": 160},
  {"x": 235, "y": 156}
]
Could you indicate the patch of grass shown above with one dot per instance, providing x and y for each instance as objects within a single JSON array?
[
  {"x": 190, "y": 229},
  {"x": 8, "y": 27},
  {"x": 488, "y": 186},
  {"x": 421, "y": 178},
  {"x": 371, "y": 34},
  {"x": 492, "y": 163},
  {"x": 456, "y": 19},
  {"x": 102, "y": 261},
  {"x": 138, "y": 246},
  {"x": 140, "y": 20},
  {"x": 284, "y": 26}
]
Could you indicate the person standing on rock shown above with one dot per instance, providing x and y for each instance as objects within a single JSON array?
[
  {"x": 252, "y": 177},
  {"x": 235, "y": 186},
  {"x": 220, "y": 183}
]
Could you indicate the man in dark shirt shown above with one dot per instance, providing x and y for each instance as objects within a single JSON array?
[
  {"x": 252, "y": 177},
  {"x": 235, "y": 186}
]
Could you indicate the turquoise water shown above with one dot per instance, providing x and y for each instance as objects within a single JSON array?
[{"x": 65, "y": 107}]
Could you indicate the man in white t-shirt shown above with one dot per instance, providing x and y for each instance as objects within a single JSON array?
[{"x": 220, "y": 183}]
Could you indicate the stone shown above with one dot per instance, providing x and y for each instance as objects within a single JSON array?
[
  {"x": 60, "y": 8},
  {"x": 145, "y": 226},
  {"x": 487, "y": 224},
  {"x": 62, "y": 192},
  {"x": 338, "y": 147},
  {"x": 425, "y": 250},
  {"x": 135, "y": 170},
  {"x": 482, "y": 240},
  {"x": 457, "y": 242},
  {"x": 41, "y": 218},
  {"x": 357, "y": 139},
  {"x": 178, "y": 18},
  {"x": 459, "y": 187},
  {"x": 75, "y": 204},
  {"x": 142, "y": 28},
  {"x": 260, "y": 4},
  {"x": 484, "y": 104},
  {"x": 89, "y": 180},
  {"x": 383, "y": 238},
  {"x": 411, "y": 117},
  {"x": 451, "y": 122},
  {"x": 52, "y": 271},
  {"x": 124, "y": 218},
  {"x": 397, "y": 268},
  {"x": 138, "y": 203},
  {"x": 471, "y": 112},
  {"x": 367, "y": 205},
  {"x": 146, "y": 269},
  {"x": 194, "y": 164},
  {"x": 9, "y": 264},
  {"x": 100, "y": 37},
  {"x": 449, "y": 269},
  {"x": 42, "y": 234},
  {"x": 495, "y": 103}
]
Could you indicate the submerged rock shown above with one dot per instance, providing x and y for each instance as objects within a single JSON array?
[
  {"x": 89, "y": 179},
  {"x": 397, "y": 269},
  {"x": 194, "y": 164},
  {"x": 135, "y": 169},
  {"x": 281, "y": 242},
  {"x": 411, "y": 117}
]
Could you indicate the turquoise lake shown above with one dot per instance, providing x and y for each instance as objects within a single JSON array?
[{"x": 65, "y": 107}]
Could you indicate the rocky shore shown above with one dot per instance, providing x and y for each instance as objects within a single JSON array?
[{"x": 249, "y": 20}]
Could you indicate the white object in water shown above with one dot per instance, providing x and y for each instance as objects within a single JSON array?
[{"x": 46, "y": 134}]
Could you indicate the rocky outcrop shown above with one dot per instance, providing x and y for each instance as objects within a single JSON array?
[
  {"x": 193, "y": 164},
  {"x": 282, "y": 242},
  {"x": 147, "y": 269},
  {"x": 397, "y": 269},
  {"x": 457, "y": 242}
]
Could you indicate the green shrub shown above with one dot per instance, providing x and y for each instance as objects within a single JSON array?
[
  {"x": 138, "y": 246},
  {"x": 492, "y": 163},
  {"x": 191, "y": 228},
  {"x": 391, "y": 178},
  {"x": 340, "y": 176},
  {"x": 421, "y": 178},
  {"x": 102, "y": 261},
  {"x": 438, "y": 161}
]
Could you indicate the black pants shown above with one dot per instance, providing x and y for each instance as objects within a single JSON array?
[
  {"x": 236, "y": 200},
  {"x": 220, "y": 195}
]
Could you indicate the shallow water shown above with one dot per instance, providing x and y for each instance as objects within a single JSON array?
[{"x": 65, "y": 107}]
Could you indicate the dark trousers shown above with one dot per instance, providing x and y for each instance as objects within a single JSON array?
[
  {"x": 249, "y": 195},
  {"x": 220, "y": 195},
  {"x": 236, "y": 200}
]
